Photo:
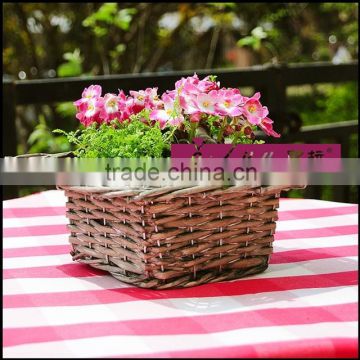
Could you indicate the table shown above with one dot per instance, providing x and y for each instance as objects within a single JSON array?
[{"x": 305, "y": 304}]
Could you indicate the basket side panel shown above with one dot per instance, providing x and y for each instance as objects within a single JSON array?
[{"x": 175, "y": 241}]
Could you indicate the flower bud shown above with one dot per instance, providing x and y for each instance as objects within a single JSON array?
[
  {"x": 229, "y": 130},
  {"x": 217, "y": 123},
  {"x": 247, "y": 130},
  {"x": 195, "y": 117}
]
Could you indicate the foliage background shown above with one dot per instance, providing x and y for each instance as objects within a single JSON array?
[{"x": 46, "y": 40}]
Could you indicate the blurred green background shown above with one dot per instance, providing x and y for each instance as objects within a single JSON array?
[{"x": 48, "y": 40}]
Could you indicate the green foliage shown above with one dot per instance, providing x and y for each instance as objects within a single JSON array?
[
  {"x": 217, "y": 132},
  {"x": 339, "y": 99},
  {"x": 105, "y": 13},
  {"x": 325, "y": 103},
  {"x": 294, "y": 32},
  {"x": 72, "y": 66},
  {"x": 66, "y": 109},
  {"x": 124, "y": 17},
  {"x": 222, "y": 6},
  {"x": 300, "y": 32},
  {"x": 140, "y": 137},
  {"x": 213, "y": 78},
  {"x": 254, "y": 40},
  {"x": 109, "y": 15},
  {"x": 42, "y": 140},
  {"x": 125, "y": 140}
]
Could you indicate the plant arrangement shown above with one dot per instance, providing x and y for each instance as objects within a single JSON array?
[
  {"x": 169, "y": 236},
  {"x": 144, "y": 124}
]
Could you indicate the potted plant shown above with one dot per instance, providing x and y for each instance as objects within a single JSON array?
[{"x": 170, "y": 237}]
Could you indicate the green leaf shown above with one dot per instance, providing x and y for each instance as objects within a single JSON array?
[
  {"x": 105, "y": 13},
  {"x": 69, "y": 69},
  {"x": 124, "y": 17},
  {"x": 213, "y": 78},
  {"x": 257, "y": 44},
  {"x": 73, "y": 66},
  {"x": 119, "y": 49},
  {"x": 74, "y": 56},
  {"x": 66, "y": 109},
  {"x": 259, "y": 33},
  {"x": 254, "y": 40},
  {"x": 36, "y": 135},
  {"x": 247, "y": 41},
  {"x": 100, "y": 31},
  {"x": 222, "y": 6}
]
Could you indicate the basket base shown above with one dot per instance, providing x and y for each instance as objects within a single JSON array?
[{"x": 202, "y": 277}]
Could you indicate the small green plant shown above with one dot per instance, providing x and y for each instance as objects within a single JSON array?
[{"x": 127, "y": 140}]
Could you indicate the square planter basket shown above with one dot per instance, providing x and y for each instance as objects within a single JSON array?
[{"x": 171, "y": 237}]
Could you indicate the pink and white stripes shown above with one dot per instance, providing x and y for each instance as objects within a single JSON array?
[{"x": 305, "y": 304}]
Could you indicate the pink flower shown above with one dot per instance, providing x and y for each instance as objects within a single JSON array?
[
  {"x": 188, "y": 89},
  {"x": 188, "y": 104},
  {"x": 192, "y": 84},
  {"x": 144, "y": 99},
  {"x": 207, "y": 85},
  {"x": 152, "y": 98},
  {"x": 254, "y": 111},
  {"x": 138, "y": 102},
  {"x": 111, "y": 108},
  {"x": 229, "y": 103},
  {"x": 190, "y": 80},
  {"x": 93, "y": 91},
  {"x": 188, "y": 86},
  {"x": 89, "y": 105},
  {"x": 192, "y": 99},
  {"x": 122, "y": 96},
  {"x": 206, "y": 103},
  {"x": 126, "y": 109},
  {"x": 90, "y": 112},
  {"x": 170, "y": 114},
  {"x": 266, "y": 126}
]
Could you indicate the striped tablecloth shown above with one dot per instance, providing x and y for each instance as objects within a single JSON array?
[{"x": 305, "y": 304}]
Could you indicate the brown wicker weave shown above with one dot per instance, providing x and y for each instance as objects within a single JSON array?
[{"x": 173, "y": 237}]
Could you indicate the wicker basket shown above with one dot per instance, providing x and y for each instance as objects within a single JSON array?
[{"x": 173, "y": 237}]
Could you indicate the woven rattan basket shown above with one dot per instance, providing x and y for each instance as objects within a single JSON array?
[{"x": 173, "y": 237}]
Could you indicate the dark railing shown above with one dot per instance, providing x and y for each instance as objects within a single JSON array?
[{"x": 271, "y": 80}]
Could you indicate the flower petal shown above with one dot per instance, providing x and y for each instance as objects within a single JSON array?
[
  {"x": 253, "y": 119},
  {"x": 159, "y": 115}
]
